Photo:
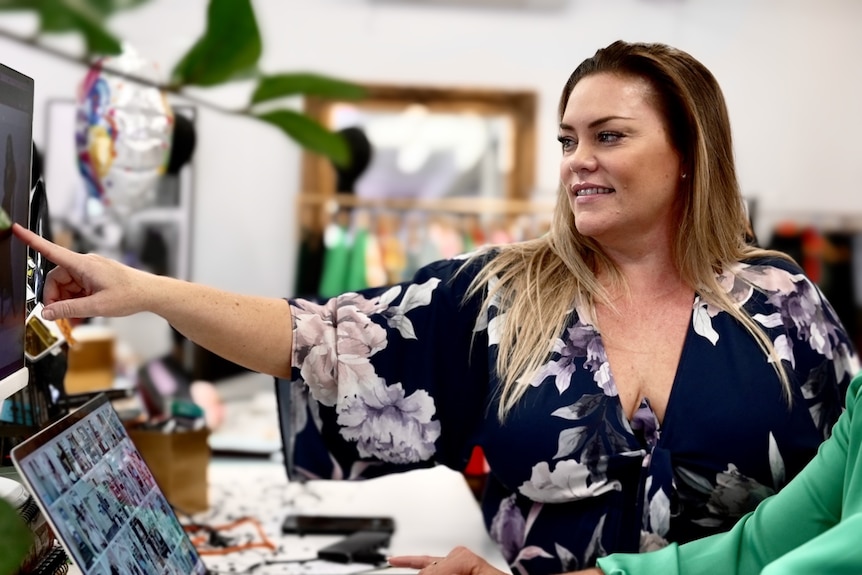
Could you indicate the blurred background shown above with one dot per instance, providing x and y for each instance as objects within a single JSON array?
[{"x": 481, "y": 79}]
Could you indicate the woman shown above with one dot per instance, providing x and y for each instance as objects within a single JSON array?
[{"x": 640, "y": 375}]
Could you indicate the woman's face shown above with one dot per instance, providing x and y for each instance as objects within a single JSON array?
[{"x": 620, "y": 170}]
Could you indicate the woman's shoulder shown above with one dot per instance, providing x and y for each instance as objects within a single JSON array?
[
  {"x": 458, "y": 270},
  {"x": 774, "y": 262},
  {"x": 771, "y": 274}
]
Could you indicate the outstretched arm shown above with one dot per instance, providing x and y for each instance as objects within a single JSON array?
[{"x": 253, "y": 331}]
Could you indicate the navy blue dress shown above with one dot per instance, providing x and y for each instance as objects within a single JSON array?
[{"x": 394, "y": 378}]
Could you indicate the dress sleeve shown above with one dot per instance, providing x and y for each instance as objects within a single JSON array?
[
  {"x": 387, "y": 379},
  {"x": 789, "y": 532}
]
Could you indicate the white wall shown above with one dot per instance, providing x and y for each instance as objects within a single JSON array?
[{"x": 790, "y": 70}]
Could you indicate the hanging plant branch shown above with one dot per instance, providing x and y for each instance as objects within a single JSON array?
[{"x": 228, "y": 50}]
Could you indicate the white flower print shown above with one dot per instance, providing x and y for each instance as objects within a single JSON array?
[
  {"x": 324, "y": 354},
  {"x": 581, "y": 341},
  {"x": 416, "y": 295},
  {"x": 605, "y": 380},
  {"x": 651, "y": 542},
  {"x": 701, "y": 321},
  {"x": 798, "y": 303},
  {"x": 494, "y": 324},
  {"x": 315, "y": 352},
  {"x": 659, "y": 512},
  {"x": 337, "y": 361},
  {"x": 776, "y": 464},
  {"x": 569, "y": 481},
  {"x": 846, "y": 362},
  {"x": 784, "y": 349},
  {"x": 387, "y": 425}
]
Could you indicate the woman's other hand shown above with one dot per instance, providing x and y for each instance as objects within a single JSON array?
[{"x": 460, "y": 561}]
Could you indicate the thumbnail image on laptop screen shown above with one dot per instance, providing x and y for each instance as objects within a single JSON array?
[{"x": 100, "y": 497}]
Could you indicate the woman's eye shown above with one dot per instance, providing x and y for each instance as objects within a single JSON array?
[
  {"x": 609, "y": 137},
  {"x": 566, "y": 142}
]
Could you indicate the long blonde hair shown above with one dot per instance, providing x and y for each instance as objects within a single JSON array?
[{"x": 539, "y": 282}]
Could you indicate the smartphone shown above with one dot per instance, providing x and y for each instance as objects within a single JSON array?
[{"x": 335, "y": 524}]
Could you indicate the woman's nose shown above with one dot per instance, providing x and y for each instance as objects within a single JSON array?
[{"x": 582, "y": 159}]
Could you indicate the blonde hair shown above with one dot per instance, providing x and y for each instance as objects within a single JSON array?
[{"x": 539, "y": 282}]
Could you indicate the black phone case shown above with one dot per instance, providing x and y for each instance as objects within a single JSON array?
[
  {"x": 334, "y": 525},
  {"x": 361, "y": 547}
]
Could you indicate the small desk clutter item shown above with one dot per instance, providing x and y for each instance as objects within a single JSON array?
[
  {"x": 178, "y": 460},
  {"x": 91, "y": 364},
  {"x": 174, "y": 439}
]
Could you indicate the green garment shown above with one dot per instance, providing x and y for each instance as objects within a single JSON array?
[
  {"x": 813, "y": 525},
  {"x": 355, "y": 278},
  {"x": 335, "y": 262}
]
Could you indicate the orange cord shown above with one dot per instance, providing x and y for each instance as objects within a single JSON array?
[{"x": 201, "y": 541}]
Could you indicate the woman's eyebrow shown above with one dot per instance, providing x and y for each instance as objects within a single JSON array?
[{"x": 596, "y": 122}]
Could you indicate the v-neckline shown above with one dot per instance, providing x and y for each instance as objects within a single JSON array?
[{"x": 644, "y": 402}]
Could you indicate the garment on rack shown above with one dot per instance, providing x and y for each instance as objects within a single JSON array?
[
  {"x": 395, "y": 378},
  {"x": 335, "y": 261}
]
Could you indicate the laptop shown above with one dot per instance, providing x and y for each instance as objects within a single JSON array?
[{"x": 100, "y": 498}]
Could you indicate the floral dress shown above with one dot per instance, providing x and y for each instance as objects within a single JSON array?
[{"x": 401, "y": 377}]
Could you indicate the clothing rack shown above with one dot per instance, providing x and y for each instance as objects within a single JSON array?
[
  {"x": 451, "y": 205},
  {"x": 397, "y": 235}
]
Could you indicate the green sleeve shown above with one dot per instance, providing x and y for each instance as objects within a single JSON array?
[
  {"x": 789, "y": 528},
  {"x": 836, "y": 551}
]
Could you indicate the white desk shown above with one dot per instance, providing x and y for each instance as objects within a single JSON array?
[{"x": 434, "y": 511}]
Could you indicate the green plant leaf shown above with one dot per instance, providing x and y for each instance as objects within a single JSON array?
[
  {"x": 309, "y": 134},
  {"x": 84, "y": 16},
  {"x": 15, "y": 539},
  {"x": 229, "y": 47},
  {"x": 18, "y": 5},
  {"x": 282, "y": 85},
  {"x": 98, "y": 40},
  {"x": 108, "y": 7}
]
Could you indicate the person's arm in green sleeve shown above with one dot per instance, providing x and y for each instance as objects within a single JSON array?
[{"x": 789, "y": 528}]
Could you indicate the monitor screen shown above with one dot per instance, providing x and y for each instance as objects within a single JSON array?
[{"x": 16, "y": 133}]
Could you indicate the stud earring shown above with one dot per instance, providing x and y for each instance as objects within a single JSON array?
[{"x": 684, "y": 175}]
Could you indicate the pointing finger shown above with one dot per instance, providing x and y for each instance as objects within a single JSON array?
[{"x": 57, "y": 254}]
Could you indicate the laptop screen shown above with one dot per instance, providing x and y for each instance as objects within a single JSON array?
[{"x": 100, "y": 498}]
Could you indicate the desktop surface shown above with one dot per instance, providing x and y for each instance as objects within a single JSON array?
[{"x": 445, "y": 516}]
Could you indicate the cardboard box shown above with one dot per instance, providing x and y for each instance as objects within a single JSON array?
[
  {"x": 179, "y": 463},
  {"x": 90, "y": 360}
]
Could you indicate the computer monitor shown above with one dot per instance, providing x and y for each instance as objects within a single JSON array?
[{"x": 16, "y": 139}]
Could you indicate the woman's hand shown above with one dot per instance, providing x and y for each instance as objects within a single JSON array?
[
  {"x": 87, "y": 285},
  {"x": 460, "y": 561},
  {"x": 252, "y": 331}
]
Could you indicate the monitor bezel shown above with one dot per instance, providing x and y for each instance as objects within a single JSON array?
[{"x": 14, "y": 376}]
